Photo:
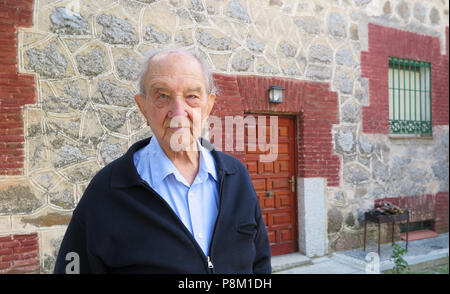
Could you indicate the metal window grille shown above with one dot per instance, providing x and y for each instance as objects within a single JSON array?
[{"x": 409, "y": 97}]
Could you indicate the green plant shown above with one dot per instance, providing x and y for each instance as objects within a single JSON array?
[{"x": 400, "y": 264}]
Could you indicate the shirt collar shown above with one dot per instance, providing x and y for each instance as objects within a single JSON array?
[
  {"x": 161, "y": 166},
  {"x": 207, "y": 164}
]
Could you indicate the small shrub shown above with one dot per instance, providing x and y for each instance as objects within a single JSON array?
[{"x": 400, "y": 264}]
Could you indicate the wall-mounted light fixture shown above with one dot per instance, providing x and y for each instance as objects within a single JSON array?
[{"x": 276, "y": 94}]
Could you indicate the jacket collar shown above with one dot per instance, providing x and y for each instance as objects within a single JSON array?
[{"x": 124, "y": 173}]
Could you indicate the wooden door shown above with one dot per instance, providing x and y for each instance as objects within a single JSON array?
[{"x": 273, "y": 182}]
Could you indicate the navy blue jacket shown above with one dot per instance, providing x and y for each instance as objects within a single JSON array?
[{"x": 121, "y": 225}]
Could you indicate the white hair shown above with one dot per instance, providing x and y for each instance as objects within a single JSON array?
[{"x": 149, "y": 55}]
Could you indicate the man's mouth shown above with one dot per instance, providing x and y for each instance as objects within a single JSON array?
[{"x": 174, "y": 129}]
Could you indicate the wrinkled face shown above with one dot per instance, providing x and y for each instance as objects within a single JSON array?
[{"x": 176, "y": 103}]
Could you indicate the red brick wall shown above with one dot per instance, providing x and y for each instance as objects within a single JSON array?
[
  {"x": 313, "y": 104},
  {"x": 441, "y": 211},
  {"x": 385, "y": 42},
  {"x": 19, "y": 254},
  {"x": 425, "y": 207},
  {"x": 16, "y": 89}
]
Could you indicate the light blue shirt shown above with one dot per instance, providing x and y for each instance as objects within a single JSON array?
[{"x": 196, "y": 205}]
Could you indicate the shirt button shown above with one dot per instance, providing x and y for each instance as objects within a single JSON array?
[{"x": 200, "y": 236}]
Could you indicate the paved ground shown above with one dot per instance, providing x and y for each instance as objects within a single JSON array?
[
  {"x": 354, "y": 261},
  {"x": 323, "y": 265}
]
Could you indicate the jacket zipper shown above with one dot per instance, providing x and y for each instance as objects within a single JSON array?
[
  {"x": 209, "y": 264},
  {"x": 221, "y": 179}
]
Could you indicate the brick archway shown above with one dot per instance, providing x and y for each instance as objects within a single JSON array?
[{"x": 314, "y": 105}]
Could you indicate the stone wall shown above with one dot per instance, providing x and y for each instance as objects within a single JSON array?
[
  {"x": 84, "y": 57},
  {"x": 378, "y": 167}
]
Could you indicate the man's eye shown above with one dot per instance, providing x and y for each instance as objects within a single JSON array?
[
  {"x": 163, "y": 96},
  {"x": 192, "y": 96}
]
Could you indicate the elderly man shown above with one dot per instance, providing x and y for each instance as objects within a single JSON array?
[{"x": 172, "y": 203}]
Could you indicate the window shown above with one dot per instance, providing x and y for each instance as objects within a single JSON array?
[{"x": 409, "y": 97}]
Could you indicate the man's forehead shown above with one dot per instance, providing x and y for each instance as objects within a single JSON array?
[
  {"x": 161, "y": 85},
  {"x": 180, "y": 78}
]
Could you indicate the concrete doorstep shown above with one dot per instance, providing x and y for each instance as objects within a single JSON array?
[{"x": 288, "y": 261}]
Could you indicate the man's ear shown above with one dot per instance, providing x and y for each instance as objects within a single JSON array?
[
  {"x": 140, "y": 102},
  {"x": 139, "y": 99}
]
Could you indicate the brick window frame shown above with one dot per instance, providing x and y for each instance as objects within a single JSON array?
[{"x": 385, "y": 42}]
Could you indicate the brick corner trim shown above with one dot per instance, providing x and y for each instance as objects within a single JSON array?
[
  {"x": 385, "y": 42},
  {"x": 19, "y": 254},
  {"x": 16, "y": 89}
]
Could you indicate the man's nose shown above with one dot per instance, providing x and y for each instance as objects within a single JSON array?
[{"x": 177, "y": 108}]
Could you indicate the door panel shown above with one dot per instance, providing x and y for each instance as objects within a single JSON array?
[{"x": 273, "y": 185}]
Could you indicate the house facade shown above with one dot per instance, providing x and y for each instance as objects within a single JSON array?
[{"x": 364, "y": 117}]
